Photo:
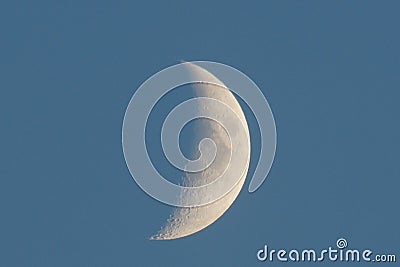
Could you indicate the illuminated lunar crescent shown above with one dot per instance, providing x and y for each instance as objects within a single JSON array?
[{"x": 185, "y": 221}]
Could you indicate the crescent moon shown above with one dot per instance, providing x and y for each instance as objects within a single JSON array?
[{"x": 186, "y": 221}]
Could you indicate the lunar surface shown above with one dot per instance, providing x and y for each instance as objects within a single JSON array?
[{"x": 186, "y": 221}]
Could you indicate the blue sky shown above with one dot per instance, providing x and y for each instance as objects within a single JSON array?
[{"x": 330, "y": 71}]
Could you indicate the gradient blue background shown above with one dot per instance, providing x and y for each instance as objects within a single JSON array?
[{"x": 330, "y": 71}]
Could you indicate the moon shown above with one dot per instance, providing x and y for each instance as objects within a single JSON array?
[{"x": 184, "y": 221}]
